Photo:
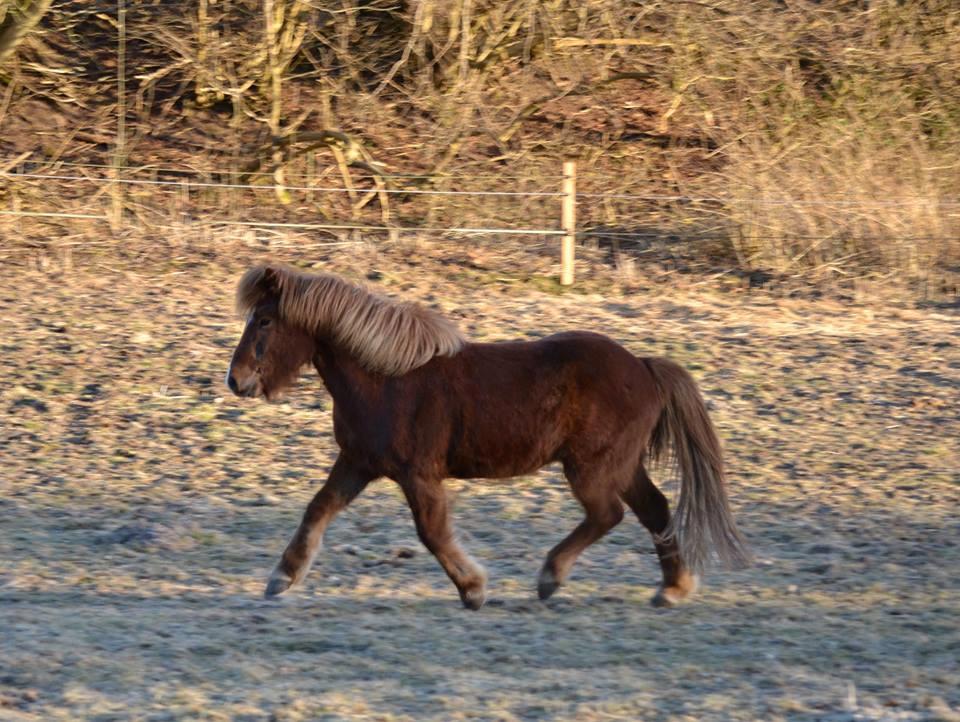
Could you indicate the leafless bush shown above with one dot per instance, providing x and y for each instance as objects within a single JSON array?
[{"x": 828, "y": 132}]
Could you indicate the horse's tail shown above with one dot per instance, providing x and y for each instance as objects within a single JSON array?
[{"x": 684, "y": 435}]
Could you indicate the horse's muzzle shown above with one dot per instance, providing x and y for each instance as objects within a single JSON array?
[{"x": 248, "y": 390}]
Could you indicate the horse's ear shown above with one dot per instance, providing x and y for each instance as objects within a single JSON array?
[
  {"x": 259, "y": 284},
  {"x": 270, "y": 281}
]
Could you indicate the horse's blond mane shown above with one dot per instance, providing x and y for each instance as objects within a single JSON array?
[{"x": 385, "y": 336}]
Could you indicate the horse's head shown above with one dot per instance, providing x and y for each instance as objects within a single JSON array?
[{"x": 271, "y": 351}]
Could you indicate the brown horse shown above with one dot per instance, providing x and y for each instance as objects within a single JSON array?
[{"x": 417, "y": 403}]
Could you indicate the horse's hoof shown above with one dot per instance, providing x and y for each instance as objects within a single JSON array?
[
  {"x": 547, "y": 584},
  {"x": 276, "y": 585},
  {"x": 545, "y": 590},
  {"x": 663, "y": 600},
  {"x": 474, "y": 598},
  {"x": 671, "y": 596}
]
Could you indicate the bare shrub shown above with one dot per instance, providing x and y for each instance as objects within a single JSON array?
[{"x": 826, "y": 132}]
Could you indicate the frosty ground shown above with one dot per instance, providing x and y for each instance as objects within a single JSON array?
[{"x": 142, "y": 506}]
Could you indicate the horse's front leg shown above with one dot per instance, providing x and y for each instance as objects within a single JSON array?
[
  {"x": 342, "y": 487},
  {"x": 431, "y": 514}
]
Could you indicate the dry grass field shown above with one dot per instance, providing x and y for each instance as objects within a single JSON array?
[{"x": 142, "y": 506}]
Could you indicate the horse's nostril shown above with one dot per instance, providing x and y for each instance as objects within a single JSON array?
[{"x": 232, "y": 383}]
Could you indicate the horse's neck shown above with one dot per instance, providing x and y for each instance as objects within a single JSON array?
[{"x": 344, "y": 377}]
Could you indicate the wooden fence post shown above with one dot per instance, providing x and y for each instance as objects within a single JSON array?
[
  {"x": 569, "y": 222},
  {"x": 119, "y": 160}
]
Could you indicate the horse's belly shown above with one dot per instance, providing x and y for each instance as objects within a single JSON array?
[
  {"x": 502, "y": 455},
  {"x": 479, "y": 469}
]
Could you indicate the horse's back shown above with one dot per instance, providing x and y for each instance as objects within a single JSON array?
[
  {"x": 570, "y": 360},
  {"x": 558, "y": 349},
  {"x": 613, "y": 386},
  {"x": 518, "y": 405}
]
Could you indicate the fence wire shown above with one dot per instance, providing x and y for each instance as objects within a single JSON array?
[
  {"x": 905, "y": 201},
  {"x": 595, "y": 232}
]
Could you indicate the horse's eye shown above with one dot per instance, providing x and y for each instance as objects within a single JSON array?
[{"x": 264, "y": 322}]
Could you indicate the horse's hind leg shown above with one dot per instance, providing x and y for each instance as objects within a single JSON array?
[
  {"x": 653, "y": 511},
  {"x": 604, "y": 510},
  {"x": 342, "y": 487},
  {"x": 431, "y": 514}
]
